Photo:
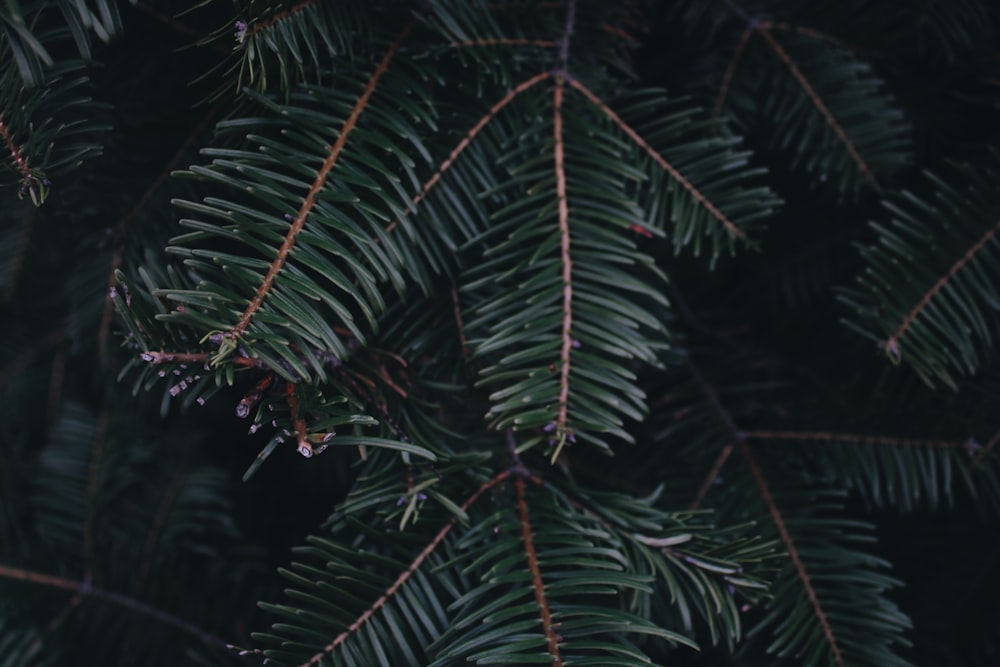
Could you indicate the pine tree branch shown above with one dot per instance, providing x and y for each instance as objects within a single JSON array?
[
  {"x": 892, "y": 344},
  {"x": 793, "y": 553},
  {"x": 772, "y": 507},
  {"x": 659, "y": 159},
  {"x": 551, "y": 638},
  {"x": 468, "y": 138},
  {"x": 818, "y": 103},
  {"x": 85, "y": 589},
  {"x": 310, "y": 200},
  {"x": 298, "y": 423},
  {"x": 407, "y": 573},
  {"x": 868, "y": 439}
]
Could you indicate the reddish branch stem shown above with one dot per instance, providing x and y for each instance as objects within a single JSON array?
[
  {"x": 551, "y": 638},
  {"x": 727, "y": 78},
  {"x": 504, "y": 41},
  {"x": 281, "y": 16},
  {"x": 793, "y": 552},
  {"x": 464, "y": 143},
  {"x": 893, "y": 343},
  {"x": 818, "y": 103},
  {"x": 659, "y": 159},
  {"x": 567, "y": 260},
  {"x": 406, "y": 574},
  {"x": 15, "y": 151},
  {"x": 310, "y": 200},
  {"x": 772, "y": 508},
  {"x": 712, "y": 475}
]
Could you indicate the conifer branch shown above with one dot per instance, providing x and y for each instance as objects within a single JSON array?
[
  {"x": 468, "y": 138},
  {"x": 85, "y": 589},
  {"x": 407, "y": 573},
  {"x": 298, "y": 423},
  {"x": 808, "y": 32},
  {"x": 892, "y": 344},
  {"x": 659, "y": 159},
  {"x": 551, "y": 638},
  {"x": 818, "y": 103},
  {"x": 203, "y": 358},
  {"x": 862, "y": 438},
  {"x": 324, "y": 171},
  {"x": 772, "y": 508},
  {"x": 457, "y": 308},
  {"x": 793, "y": 552}
]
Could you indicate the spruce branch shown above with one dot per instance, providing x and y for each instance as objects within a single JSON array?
[{"x": 309, "y": 201}]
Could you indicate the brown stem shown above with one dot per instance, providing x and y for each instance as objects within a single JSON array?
[
  {"x": 20, "y": 161},
  {"x": 310, "y": 200},
  {"x": 727, "y": 78},
  {"x": 281, "y": 16},
  {"x": 567, "y": 261},
  {"x": 818, "y": 103},
  {"x": 467, "y": 139},
  {"x": 406, "y": 574},
  {"x": 659, "y": 159},
  {"x": 551, "y": 638},
  {"x": 712, "y": 475},
  {"x": 893, "y": 343}
]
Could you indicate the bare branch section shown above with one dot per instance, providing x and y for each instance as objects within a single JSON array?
[
  {"x": 567, "y": 263},
  {"x": 817, "y": 102},
  {"x": 712, "y": 475},
  {"x": 893, "y": 343},
  {"x": 310, "y": 200},
  {"x": 468, "y": 138},
  {"x": 659, "y": 159},
  {"x": 861, "y": 438},
  {"x": 504, "y": 41},
  {"x": 551, "y": 638},
  {"x": 406, "y": 574},
  {"x": 16, "y": 154},
  {"x": 84, "y": 589}
]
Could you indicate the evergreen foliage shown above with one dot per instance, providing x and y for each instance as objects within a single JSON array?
[{"x": 543, "y": 318}]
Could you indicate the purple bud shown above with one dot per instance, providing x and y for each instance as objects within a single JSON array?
[
  {"x": 241, "y": 31},
  {"x": 46, "y": 182},
  {"x": 551, "y": 426},
  {"x": 576, "y": 344},
  {"x": 421, "y": 496},
  {"x": 402, "y": 499},
  {"x": 242, "y": 409}
]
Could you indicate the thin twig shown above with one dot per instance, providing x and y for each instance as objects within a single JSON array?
[
  {"x": 863, "y": 438},
  {"x": 537, "y": 584}
]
